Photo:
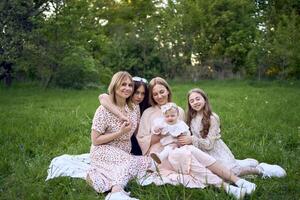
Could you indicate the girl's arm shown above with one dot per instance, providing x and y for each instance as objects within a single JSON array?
[
  {"x": 212, "y": 136},
  {"x": 98, "y": 139},
  {"x": 106, "y": 101}
]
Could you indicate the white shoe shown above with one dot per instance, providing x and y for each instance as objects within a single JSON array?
[
  {"x": 119, "y": 196},
  {"x": 248, "y": 162},
  {"x": 238, "y": 193},
  {"x": 269, "y": 171},
  {"x": 248, "y": 186}
]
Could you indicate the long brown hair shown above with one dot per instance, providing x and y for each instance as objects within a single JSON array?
[
  {"x": 115, "y": 83},
  {"x": 145, "y": 103},
  {"x": 158, "y": 81},
  {"x": 207, "y": 112}
]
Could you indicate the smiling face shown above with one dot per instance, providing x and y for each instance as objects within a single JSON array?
[
  {"x": 196, "y": 101},
  {"x": 160, "y": 94},
  {"x": 125, "y": 89},
  {"x": 171, "y": 116},
  {"x": 138, "y": 95}
]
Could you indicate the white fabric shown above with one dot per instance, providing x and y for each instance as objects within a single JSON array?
[
  {"x": 171, "y": 129},
  {"x": 168, "y": 106},
  {"x": 164, "y": 154},
  {"x": 75, "y": 166}
]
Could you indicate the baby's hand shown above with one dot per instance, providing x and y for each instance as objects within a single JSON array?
[{"x": 157, "y": 130}]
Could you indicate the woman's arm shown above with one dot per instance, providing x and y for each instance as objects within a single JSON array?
[
  {"x": 144, "y": 135},
  {"x": 98, "y": 139},
  {"x": 155, "y": 139},
  {"x": 106, "y": 101}
]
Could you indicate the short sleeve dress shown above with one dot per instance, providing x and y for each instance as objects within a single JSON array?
[{"x": 111, "y": 163}]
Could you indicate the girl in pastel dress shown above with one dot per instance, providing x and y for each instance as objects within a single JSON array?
[
  {"x": 170, "y": 127},
  {"x": 206, "y": 135}
]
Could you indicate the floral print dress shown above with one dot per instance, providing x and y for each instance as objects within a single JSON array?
[{"x": 111, "y": 163}]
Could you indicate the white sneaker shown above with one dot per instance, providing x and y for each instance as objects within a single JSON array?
[
  {"x": 119, "y": 196},
  {"x": 248, "y": 162},
  {"x": 269, "y": 171},
  {"x": 248, "y": 186},
  {"x": 238, "y": 193}
]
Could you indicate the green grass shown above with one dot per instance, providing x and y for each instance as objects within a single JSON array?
[{"x": 259, "y": 120}]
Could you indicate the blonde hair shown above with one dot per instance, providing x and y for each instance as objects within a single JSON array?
[
  {"x": 207, "y": 112},
  {"x": 158, "y": 81},
  {"x": 116, "y": 82}
]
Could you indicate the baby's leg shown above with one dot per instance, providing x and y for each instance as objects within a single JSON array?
[
  {"x": 165, "y": 153},
  {"x": 158, "y": 157}
]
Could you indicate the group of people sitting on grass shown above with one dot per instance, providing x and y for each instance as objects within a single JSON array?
[{"x": 137, "y": 130}]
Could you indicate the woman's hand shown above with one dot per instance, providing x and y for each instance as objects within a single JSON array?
[
  {"x": 184, "y": 140},
  {"x": 124, "y": 118},
  {"x": 125, "y": 127}
]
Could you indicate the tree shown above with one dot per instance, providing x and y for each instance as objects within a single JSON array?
[
  {"x": 279, "y": 23},
  {"x": 16, "y": 24}
]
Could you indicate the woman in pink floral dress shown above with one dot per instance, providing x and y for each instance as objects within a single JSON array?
[{"x": 112, "y": 165}]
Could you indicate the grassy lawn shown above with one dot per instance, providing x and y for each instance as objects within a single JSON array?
[{"x": 259, "y": 120}]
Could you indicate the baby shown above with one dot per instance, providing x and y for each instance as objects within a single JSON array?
[{"x": 170, "y": 127}]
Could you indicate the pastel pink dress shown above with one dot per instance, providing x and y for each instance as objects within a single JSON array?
[
  {"x": 181, "y": 167},
  {"x": 111, "y": 163}
]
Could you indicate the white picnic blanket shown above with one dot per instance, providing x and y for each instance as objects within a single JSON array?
[{"x": 75, "y": 166}]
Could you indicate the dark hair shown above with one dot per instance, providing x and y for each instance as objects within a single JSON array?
[{"x": 145, "y": 103}]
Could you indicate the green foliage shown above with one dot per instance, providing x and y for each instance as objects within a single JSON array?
[
  {"x": 16, "y": 23},
  {"x": 285, "y": 45},
  {"x": 150, "y": 38},
  {"x": 105, "y": 75},
  {"x": 279, "y": 38},
  {"x": 77, "y": 69}
]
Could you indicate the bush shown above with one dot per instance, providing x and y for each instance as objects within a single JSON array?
[
  {"x": 78, "y": 68},
  {"x": 105, "y": 75}
]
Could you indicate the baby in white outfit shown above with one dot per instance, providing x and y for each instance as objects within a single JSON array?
[{"x": 170, "y": 126}]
